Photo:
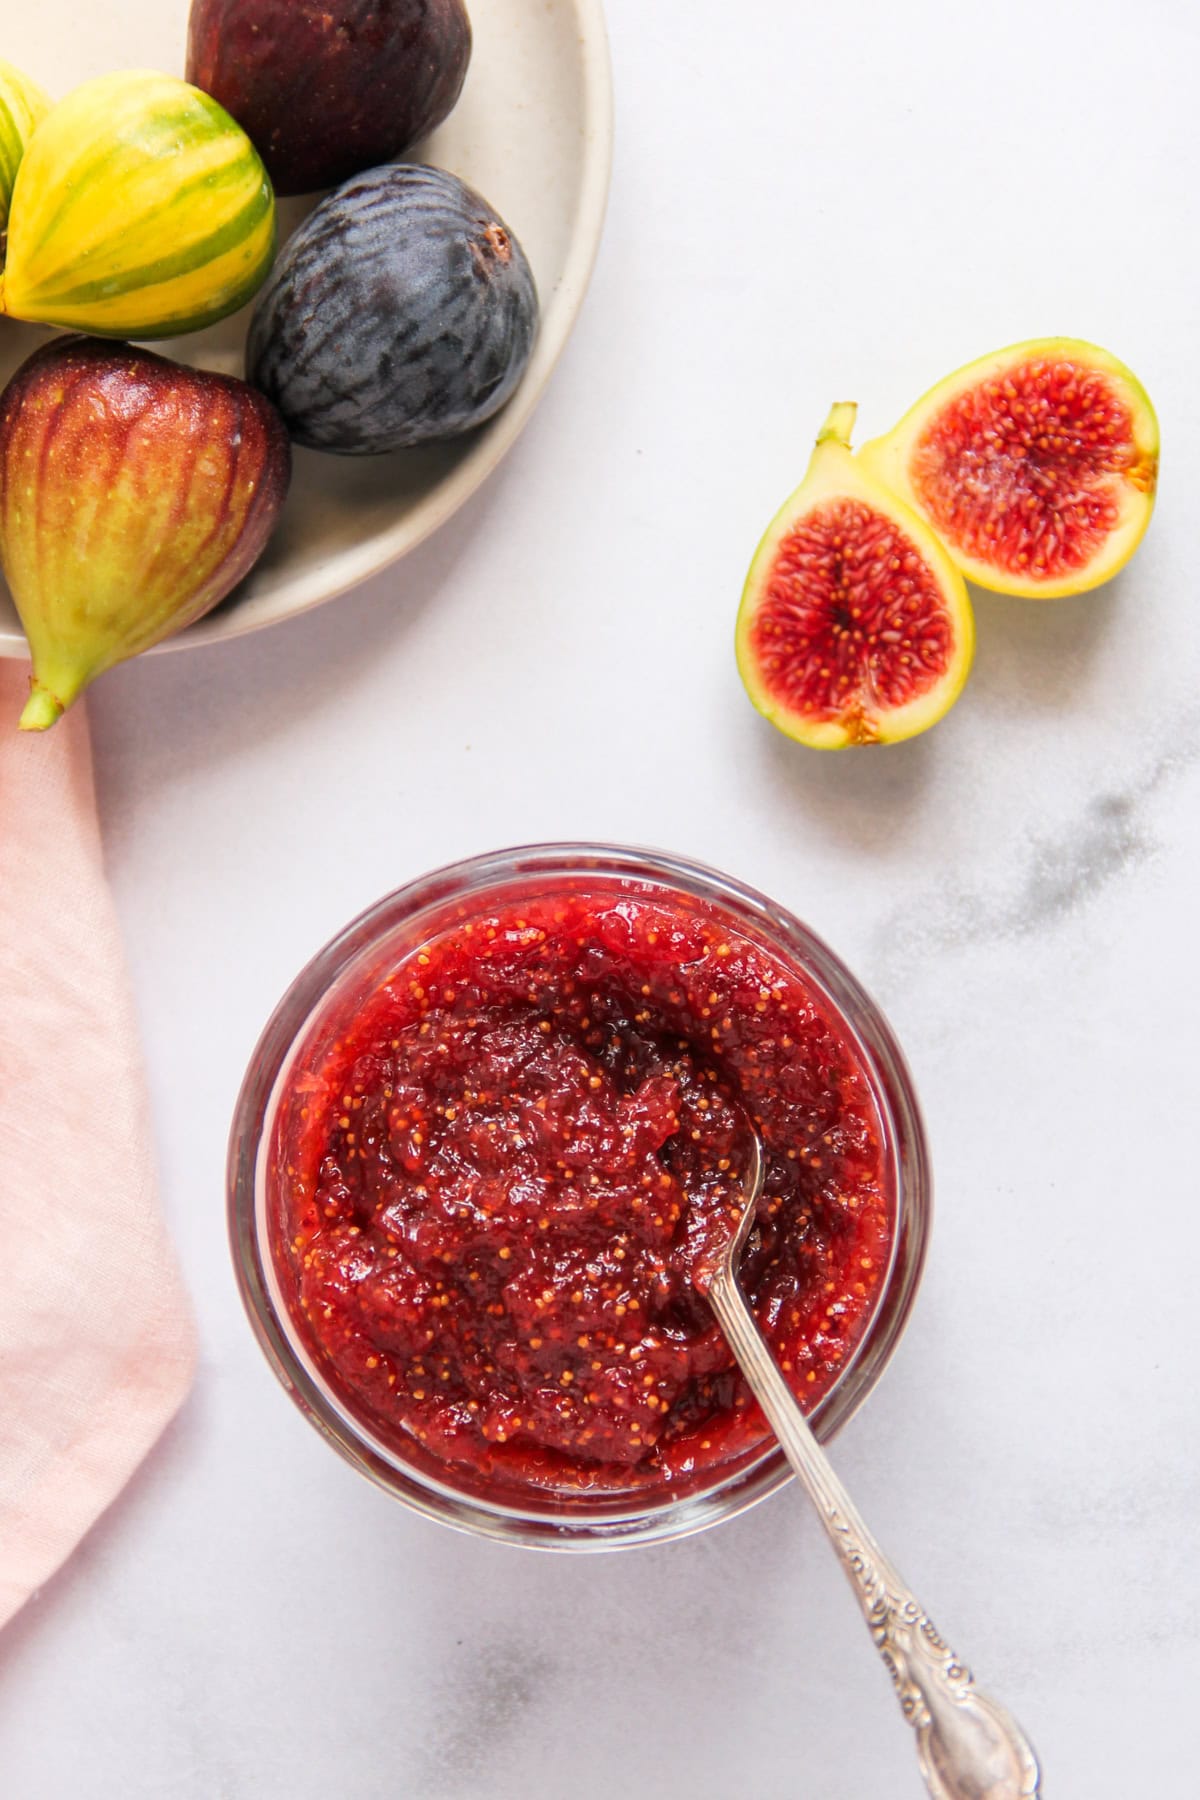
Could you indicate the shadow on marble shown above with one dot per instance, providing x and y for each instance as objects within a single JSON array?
[
  {"x": 1032, "y": 658},
  {"x": 863, "y": 798},
  {"x": 222, "y": 699},
  {"x": 1037, "y": 654},
  {"x": 536, "y": 1628}
]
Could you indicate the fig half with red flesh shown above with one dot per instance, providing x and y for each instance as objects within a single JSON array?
[
  {"x": 1035, "y": 466},
  {"x": 855, "y": 626}
]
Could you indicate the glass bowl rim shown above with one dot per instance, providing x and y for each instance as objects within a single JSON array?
[{"x": 290, "y": 1023}]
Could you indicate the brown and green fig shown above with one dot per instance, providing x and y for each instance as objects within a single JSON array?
[
  {"x": 134, "y": 494},
  {"x": 327, "y": 88}
]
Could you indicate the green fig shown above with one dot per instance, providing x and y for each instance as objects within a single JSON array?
[
  {"x": 23, "y": 106},
  {"x": 139, "y": 210},
  {"x": 134, "y": 494}
]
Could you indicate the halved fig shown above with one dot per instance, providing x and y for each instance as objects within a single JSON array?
[
  {"x": 855, "y": 627},
  {"x": 1035, "y": 466}
]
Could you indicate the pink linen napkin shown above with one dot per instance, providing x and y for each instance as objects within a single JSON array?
[{"x": 96, "y": 1346}]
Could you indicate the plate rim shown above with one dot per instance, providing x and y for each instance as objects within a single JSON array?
[{"x": 468, "y": 476}]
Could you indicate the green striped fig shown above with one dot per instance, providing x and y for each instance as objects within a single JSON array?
[
  {"x": 134, "y": 494},
  {"x": 22, "y": 107},
  {"x": 140, "y": 209}
]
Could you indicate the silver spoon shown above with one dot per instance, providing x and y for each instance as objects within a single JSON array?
[{"x": 968, "y": 1746}]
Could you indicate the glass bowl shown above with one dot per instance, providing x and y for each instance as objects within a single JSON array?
[{"x": 332, "y": 988}]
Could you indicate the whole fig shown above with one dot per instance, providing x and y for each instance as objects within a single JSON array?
[
  {"x": 328, "y": 87},
  {"x": 140, "y": 209},
  {"x": 402, "y": 311},
  {"x": 134, "y": 494}
]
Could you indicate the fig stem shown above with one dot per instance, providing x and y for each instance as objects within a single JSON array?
[
  {"x": 839, "y": 424},
  {"x": 41, "y": 709}
]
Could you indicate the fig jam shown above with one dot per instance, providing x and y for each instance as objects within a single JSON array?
[{"x": 494, "y": 1191}]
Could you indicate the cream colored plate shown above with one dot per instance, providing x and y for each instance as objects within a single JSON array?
[{"x": 532, "y": 131}]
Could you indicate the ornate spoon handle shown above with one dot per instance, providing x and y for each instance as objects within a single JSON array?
[{"x": 969, "y": 1747}]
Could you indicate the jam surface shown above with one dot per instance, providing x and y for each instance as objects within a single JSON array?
[{"x": 496, "y": 1191}]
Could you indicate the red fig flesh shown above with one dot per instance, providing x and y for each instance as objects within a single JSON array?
[
  {"x": 1036, "y": 466},
  {"x": 854, "y": 627},
  {"x": 134, "y": 494}
]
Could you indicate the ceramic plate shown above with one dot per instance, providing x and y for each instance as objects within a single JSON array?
[{"x": 532, "y": 131}]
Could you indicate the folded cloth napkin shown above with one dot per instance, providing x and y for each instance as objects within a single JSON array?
[{"x": 96, "y": 1346}]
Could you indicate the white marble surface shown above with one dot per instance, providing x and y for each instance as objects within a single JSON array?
[{"x": 809, "y": 204}]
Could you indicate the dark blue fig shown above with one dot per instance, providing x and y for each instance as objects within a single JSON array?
[{"x": 402, "y": 311}]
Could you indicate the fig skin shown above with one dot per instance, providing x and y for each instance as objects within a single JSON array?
[
  {"x": 992, "y": 478},
  {"x": 140, "y": 209},
  {"x": 23, "y": 106},
  {"x": 401, "y": 312},
  {"x": 851, "y": 607},
  {"x": 134, "y": 494},
  {"x": 326, "y": 88}
]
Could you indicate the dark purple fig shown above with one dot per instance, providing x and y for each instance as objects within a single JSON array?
[
  {"x": 328, "y": 88},
  {"x": 402, "y": 311}
]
